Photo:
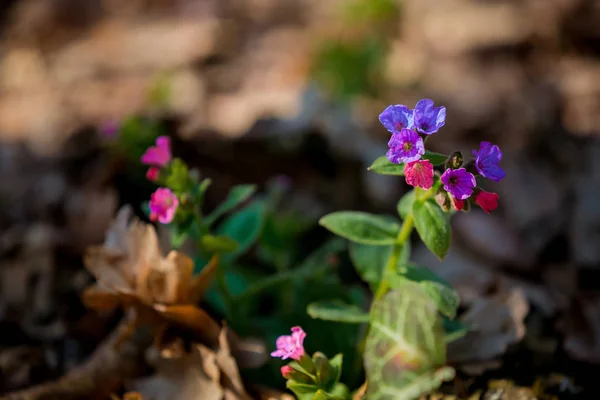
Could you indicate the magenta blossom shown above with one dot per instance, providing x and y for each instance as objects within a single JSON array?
[
  {"x": 163, "y": 204},
  {"x": 290, "y": 346},
  {"x": 159, "y": 155},
  {"x": 458, "y": 182},
  {"x": 419, "y": 174},
  {"x": 405, "y": 146}
]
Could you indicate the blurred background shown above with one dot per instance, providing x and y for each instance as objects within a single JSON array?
[{"x": 254, "y": 89}]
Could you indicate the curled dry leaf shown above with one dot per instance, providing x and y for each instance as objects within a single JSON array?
[
  {"x": 496, "y": 322},
  {"x": 131, "y": 272},
  {"x": 200, "y": 374},
  {"x": 129, "y": 268}
]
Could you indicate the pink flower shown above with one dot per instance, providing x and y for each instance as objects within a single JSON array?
[
  {"x": 419, "y": 173},
  {"x": 290, "y": 346},
  {"x": 152, "y": 174},
  {"x": 487, "y": 201},
  {"x": 285, "y": 370},
  {"x": 159, "y": 155},
  {"x": 163, "y": 204}
]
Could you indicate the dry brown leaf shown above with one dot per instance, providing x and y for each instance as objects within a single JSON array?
[
  {"x": 201, "y": 374},
  {"x": 582, "y": 329},
  {"x": 496, "y": 322},
  {"x": 192, "y": 318},
  {"x": 130, "y": 264}
]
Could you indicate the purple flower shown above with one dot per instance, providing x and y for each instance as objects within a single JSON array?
[
  {"x": 395, "y": 118},
  {"x": 405, "y": 146},
  {"x": 290, "y": 346},
  {"x": 429, "y": 119},
  {"x": 458, "y": 182},
  {"x": 487, "y": 161}
]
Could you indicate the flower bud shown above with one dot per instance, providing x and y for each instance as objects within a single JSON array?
[
  {"x": 153, "y": 174},
  {"x": 486, "y": 200},
  {"x": 441, "y": 197},
  {"x": 459, "y": 205},
  {"x": 288, "y": 372},
  {"x": 455, "y": 160}
]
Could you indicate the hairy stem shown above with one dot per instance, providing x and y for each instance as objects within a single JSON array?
[{"x": 392, "y": 264}]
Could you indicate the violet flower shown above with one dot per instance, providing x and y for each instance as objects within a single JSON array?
[
  {"x": 487, "y": 161},
  {"x": 397, "y": 117},
  {"x": 458, "y": 182},
  {"x": 429, "y": 119},
  {"x": 405, "y": 146}
]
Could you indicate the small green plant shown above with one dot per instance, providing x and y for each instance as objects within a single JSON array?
[
  {"x": 405, "y": 345},
  {"x": 404, "y": 332}
]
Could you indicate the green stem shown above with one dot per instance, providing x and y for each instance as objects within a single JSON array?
[{"x": 392, "y": 264}]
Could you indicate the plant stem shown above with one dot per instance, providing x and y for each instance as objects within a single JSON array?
[{"x": 392, "y": 264}]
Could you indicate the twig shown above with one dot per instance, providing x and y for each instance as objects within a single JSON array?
[{"x": 103, "y": 373}]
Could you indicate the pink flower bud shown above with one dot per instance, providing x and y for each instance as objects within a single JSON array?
[
  {"x": 487, "y": 201},
  {"x": 286, "y": 370},
  {"x": 152, "y": 174}
]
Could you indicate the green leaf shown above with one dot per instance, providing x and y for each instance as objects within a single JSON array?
[
  {"x": 405, "y": 347},
  {"x": 178, "y": 237},
  {"x": 433, "y": 227},
  {"x": 244, "y": 227},
  {"x": 323, "y": 395},
  {"x": 361, "y": 227},
  {"x": 435, "y": 158},
  {"x": 336, "y": 362},
  {"x": 369, "y": 261},
  {"x": 417, "y": 273},
  {"x": 446, "y": 299},
  {"x": 338, "y": 311},
  {"x": 303, "y": 391},
  {"x": 384, "y": 166},
  {"x": 455, "y": 329},
  {"x": 178, "y": 176},
  {"x": 199, "y": 190},
  {"x": 326, "y": 373},
  {"x": 217, "y": 244},
  {"x": 237, "y": 195},
  {"x": 405, "y": 204}
]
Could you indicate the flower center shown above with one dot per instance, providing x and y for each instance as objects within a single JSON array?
[
  {"x": 453, "y": 180},
  {"x": 407, "y": 146}
]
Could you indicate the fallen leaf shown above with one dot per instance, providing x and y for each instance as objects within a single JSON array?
[
  {"x": 495, "y": 322},
  {"x": 201, "y": 374}
]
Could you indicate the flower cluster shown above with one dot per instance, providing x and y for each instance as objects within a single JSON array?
[
  {"x": 163, "y": 202},
  {"x": 410, "y": 129}
]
